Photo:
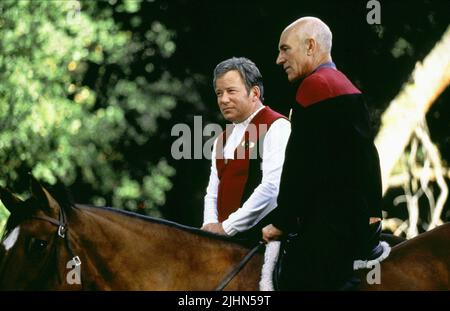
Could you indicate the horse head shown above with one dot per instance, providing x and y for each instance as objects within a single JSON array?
[{"x": 31, "y": 240}]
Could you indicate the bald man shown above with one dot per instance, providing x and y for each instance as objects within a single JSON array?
[{"x": 331, "y": 184}]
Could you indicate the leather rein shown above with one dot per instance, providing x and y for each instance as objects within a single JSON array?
[{"x": 230, "y": 275}]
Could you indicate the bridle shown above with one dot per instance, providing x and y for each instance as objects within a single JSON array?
[{"x": 62, "y": 232}]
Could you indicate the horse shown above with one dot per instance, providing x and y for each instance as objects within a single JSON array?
[
  {"x": 418, "y": 264},
  {"x": 118, "y": 250},
  {"x": 53, "y": 245}
]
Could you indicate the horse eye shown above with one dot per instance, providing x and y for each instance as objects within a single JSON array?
[{"x": 37, "y": 245}]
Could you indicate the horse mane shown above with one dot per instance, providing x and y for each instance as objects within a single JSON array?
[
  {"x": 165, "y": 222},
  {"x": 65, "y": 200}
]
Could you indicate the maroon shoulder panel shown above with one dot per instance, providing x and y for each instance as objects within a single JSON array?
[{"x": 325, "y": 83}]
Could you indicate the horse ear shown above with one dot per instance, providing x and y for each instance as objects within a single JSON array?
[
  {"x": 9, "y": 200},
  {"x": 42, "y": 195}
]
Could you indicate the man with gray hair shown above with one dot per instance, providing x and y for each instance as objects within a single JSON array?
[
  {"x": 243, "y": 184},
  {"x": 330, "y": 190}
]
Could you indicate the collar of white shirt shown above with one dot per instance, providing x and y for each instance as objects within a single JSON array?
[
  {"x": 236, "y": 135},
  {"x": 247, "y": 121}
]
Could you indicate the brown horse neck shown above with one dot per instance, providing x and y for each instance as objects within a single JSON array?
[{"x": 125, "y": 251}]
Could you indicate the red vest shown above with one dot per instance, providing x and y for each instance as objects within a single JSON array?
[{"x": 233, "y": 173}]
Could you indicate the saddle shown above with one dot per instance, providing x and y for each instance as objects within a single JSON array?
[{"x": 376, "y": 248}]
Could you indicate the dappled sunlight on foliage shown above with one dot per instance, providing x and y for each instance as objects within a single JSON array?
[{"x": 68, "y": 101}]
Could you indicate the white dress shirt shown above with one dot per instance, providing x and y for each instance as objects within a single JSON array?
[{"x": 264, "y": 198}]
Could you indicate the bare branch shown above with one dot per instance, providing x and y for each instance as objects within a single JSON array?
[
  {"x": 428, "y": 80},
  {"x": 435, "y": 158}
]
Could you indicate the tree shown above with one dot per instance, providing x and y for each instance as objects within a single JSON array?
[
  {"x": 408, "y": 109},
  {"x": 403, "y": 123},
  {"x": 71, "y": 106}
]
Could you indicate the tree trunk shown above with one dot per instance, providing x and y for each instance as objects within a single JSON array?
[{"x": 405, "y": 112}]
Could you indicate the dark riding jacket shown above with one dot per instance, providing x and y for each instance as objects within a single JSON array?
[{"x": 331, "y": 183}]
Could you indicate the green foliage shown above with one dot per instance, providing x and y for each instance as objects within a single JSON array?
[
  {"x": 3, "y": 217},
  {"x": 69, "y": 101}
]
